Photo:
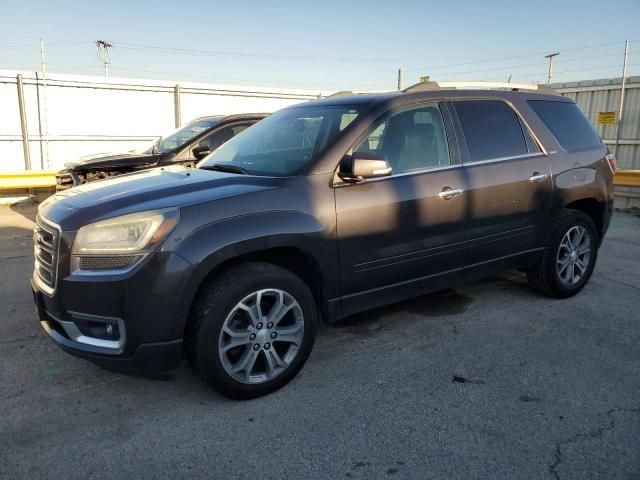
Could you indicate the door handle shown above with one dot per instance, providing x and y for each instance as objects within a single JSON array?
[
  {"x": 448, "y": 193},
  {"x": 538, "y": 177}
]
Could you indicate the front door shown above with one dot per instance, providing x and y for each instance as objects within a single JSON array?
[{"x": 400, "y": 234}]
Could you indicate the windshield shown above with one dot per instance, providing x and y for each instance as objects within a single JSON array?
[
  {"x": 285, "y": 142},
  {"x": 180, "y": 137}
]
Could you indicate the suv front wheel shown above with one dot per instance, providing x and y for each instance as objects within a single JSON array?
[
  {"x": 253, "y": 330},
  {"x": 569, "y": 257}
]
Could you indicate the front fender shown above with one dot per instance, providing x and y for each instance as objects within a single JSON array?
[{"x": 212, "y": 244}]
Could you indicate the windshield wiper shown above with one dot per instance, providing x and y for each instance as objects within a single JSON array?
[{"x": 226, "y": 168}]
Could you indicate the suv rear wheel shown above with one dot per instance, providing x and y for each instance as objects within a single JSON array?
[
  {"x": 253, "y": 330},
  {"x": 569, "y": 258}
]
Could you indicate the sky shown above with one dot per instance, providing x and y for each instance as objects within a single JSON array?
[{"x": 329, "y": 45}]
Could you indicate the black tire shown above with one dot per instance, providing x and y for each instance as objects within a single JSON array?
[
  {"x": 544, "y": 276},
  {"x": 217, "y": 300}
]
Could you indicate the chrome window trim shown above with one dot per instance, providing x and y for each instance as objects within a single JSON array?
[
  {"x": 398, "y": 175},
  {"x": 504, "y": 159}
]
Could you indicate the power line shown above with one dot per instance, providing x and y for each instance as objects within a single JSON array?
[
  {"x": 602, "y": 67},
  {"x": 34, "y": 45},
  {"x": 243, "y": 55},
  {"x": 488, "y": 60},
  {"x": 245, "y": 80},
  {"x": 511, "y": 67}
]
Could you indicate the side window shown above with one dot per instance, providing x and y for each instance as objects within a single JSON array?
[
  {"x": 221, "y": 136},
  {"x": 213, "y": 141},
  {"x": 567, "y": 123},
  {"x": 491, "y": 129},
  {"x": 531, "y": 143},
  {"x": 412, "y": 139},
  {"x": 346, "y": 119},
  {"x": 239, "y": 129}
]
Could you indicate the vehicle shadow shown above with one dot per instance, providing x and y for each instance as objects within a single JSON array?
[
  {"x": 442, "y": 303},
  {"x": 334, "y": 339}
]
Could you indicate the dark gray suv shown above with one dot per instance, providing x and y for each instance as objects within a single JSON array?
[{"x": 319, "y": 211}]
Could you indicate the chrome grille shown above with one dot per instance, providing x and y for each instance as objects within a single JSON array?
[{"x": 45, "y": 250}]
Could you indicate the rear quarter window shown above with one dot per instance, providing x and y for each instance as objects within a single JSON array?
[{"x": 567, "y": 123}]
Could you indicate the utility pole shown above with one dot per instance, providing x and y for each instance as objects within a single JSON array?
[
  {"x": 43, "y": 65},
  {"x": 624, "y": 83},
  {"x": 23, "y": 124},
  {"x": 103, "y": 54},
  {"x": 550, "y": 71},
  {"x": 399, "y": 79}
]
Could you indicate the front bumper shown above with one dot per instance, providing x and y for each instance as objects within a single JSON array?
[{"x": 123, "y": 321}]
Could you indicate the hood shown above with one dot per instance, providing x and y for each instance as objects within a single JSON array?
[
  {"x": 113, "y": 161},
  {"x": 152, "y": 189}
]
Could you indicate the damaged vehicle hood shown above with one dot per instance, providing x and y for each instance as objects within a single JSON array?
[{"x": 103, "y": 161}]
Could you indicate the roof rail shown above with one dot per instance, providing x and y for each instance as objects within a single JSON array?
[
  {"x": 342, "y": 93},
  {"x": 430, "y": 86}
]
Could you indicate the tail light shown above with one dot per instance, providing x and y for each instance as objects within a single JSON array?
[{"x": 613, "y": 163}]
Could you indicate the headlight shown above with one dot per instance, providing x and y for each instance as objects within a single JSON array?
[{"x": 120, "y": 241}]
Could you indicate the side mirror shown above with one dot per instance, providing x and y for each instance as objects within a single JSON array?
[
  {"x": 201, "y": 151},
  {"x": 363, "y": 165}
]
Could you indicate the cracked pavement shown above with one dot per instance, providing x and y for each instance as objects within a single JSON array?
[{"x": 489, "y": 380}]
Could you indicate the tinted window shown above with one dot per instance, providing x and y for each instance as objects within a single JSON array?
[
  {"x": 285, "y": 142},
  {"x": 491, "y": 129},
  {"x": 567, "y": 123},
  {"x": 221, "y": 136},
  {"x": 410, "y": 140}
]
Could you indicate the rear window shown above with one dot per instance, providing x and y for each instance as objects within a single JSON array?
[
  {"x": 491, "y": 129},
  {"x": 567, "y": 123}
]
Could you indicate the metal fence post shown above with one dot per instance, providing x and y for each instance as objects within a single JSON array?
[
  {"x": 176, "y": 106},
  {"x": 23, "y": 124}
]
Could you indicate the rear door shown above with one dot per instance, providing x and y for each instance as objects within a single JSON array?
[
  {"x": 402, "y": 233},
  {"x": 508, "y": 181}
]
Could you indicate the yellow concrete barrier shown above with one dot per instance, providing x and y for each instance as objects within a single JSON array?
[
  {"x": 627, "y": 178},
  {"x": 12, "y": 180}
]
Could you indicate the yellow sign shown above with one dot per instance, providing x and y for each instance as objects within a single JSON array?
[{"x": 607, "y": 117}]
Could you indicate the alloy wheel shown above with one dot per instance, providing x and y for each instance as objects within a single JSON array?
[
  {"x": 574, "y": 255},
  {"x": 261, "y": 336}
]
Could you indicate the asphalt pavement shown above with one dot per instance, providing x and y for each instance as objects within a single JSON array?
[{"x": 489, "y": 380}]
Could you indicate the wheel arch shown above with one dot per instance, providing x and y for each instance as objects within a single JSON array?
[
  {"x": 595, "y": 209},
  {"x": 265, "y": 238}
]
